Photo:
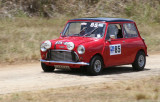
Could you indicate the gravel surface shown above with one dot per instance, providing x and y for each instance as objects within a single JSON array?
[{"x": 29, "y": 77}]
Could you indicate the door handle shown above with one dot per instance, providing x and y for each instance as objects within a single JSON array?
[{"x": 123, "y": 41}]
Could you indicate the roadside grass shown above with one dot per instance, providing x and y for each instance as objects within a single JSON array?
[
  {"x": 151, "y": 33},
  {"x": 142, "y": 90},
  {"x": 20, "y": 38}
]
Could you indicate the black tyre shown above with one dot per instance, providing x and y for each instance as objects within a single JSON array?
[
  {"x": 140, "y": 61},
  {"x": 96, "y": 66},
  {"x": 47, "y": 68}
]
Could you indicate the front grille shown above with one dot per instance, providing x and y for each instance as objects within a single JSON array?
[{"x": 62, "y": 56}]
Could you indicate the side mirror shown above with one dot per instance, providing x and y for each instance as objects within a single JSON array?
[{"x": 111, "y": 37}]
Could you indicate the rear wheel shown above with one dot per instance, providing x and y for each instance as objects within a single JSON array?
[
  {"x": 96, "y": 66},
  {"x": 139, "y": 62},
  {"x": 47, "y": 68}
]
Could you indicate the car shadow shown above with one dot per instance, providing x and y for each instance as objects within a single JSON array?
[
  {"x": 106, "y": 71},
  {"x": 120, "y": 70}
]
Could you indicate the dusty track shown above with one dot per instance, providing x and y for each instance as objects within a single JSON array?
[{"x": 28, "y": 77}]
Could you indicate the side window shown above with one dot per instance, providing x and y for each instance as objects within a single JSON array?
[
  {"x": 130, "y": 30},
  {"x": 114, "y": 29}
]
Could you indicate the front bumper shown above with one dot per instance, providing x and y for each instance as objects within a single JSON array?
[{"x": 65, "y": 62}]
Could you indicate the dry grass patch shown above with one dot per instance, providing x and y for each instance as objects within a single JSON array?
[
  {"x": 143, "y": 90},
  {"x": 151, "y": 33},
  {"x": 142, "y": 96},
  {"x": 20, "y": 38}
]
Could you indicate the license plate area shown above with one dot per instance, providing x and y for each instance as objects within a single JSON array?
[{"x": 61, "y": 67}]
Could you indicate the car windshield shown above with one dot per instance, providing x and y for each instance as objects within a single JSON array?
[{"x": 85, "y": 29}]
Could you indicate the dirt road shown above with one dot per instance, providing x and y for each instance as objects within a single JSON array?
[{"x": 28, "y": 77}]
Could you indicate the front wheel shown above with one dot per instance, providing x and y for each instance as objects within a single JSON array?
[
  {"x": 139, "y": 62},
  {"x": 96, "y": 66},
  {"x": 47, "y": 68}
]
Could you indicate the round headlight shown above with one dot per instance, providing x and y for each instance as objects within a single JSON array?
[
  {"x": 81, "y": 49},
  {"x": 70, "y": 45},
  {"x": 46, "y": 45},
  {"x": 43, "y": 49}
]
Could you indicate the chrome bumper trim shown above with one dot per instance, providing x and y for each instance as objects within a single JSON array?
[{"x": 65, "y": 62}]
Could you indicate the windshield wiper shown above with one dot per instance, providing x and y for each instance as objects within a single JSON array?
[
  {"x": 91, "y": 31},
  {"x": 73, "y": 35},
  {"x": 82, "y": 30}
]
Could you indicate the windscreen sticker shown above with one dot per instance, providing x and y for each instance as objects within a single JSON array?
[
  {"x": 100, "y": 25},
  {"x": 83, "y": 23},
  {"x": 94, "y": 25},
  {"x": 115, "y": 49}
]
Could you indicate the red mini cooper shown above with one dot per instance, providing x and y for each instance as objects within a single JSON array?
[{"x": 95, "y": 43}]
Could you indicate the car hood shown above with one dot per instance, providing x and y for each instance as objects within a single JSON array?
[{"x": 76, "y": 40}]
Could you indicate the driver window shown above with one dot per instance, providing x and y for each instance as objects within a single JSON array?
[{"x": 114, "y": 29}]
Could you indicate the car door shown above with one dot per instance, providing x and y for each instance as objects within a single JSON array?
[
  {"x": 132, "y": 41},
  {"x": 114, "y": 51}
]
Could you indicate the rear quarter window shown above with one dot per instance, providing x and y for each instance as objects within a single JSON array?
[{"x": 130, "y": 30}]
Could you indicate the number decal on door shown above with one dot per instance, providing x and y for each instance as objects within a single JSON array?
[{"x": 115, "y": 49}]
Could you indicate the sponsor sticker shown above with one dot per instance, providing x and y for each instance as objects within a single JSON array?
[
  {"x": 83, "y": 23},
  {"x": 59, "y": 42},
  {"x": 100, "y": 25},
  {"x": 94, "y": 25}
]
